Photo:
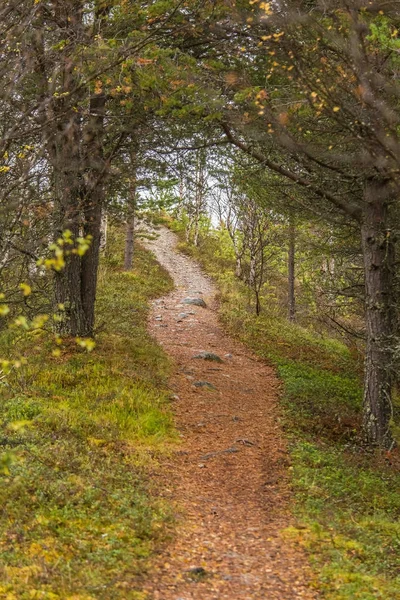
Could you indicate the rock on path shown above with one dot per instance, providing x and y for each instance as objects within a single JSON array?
[{"x": 229, "y": 475}]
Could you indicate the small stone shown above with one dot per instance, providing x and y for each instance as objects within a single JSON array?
[
  {"x": 232, "y": 450},
  {"x": 174, "y": 398},
  {"x": 183, "y": 315},
  {"x": 197, "y": 574},
  {"x": 209, "y": 356},
  {"x": 205, "y": 384},
  {"x": 228, "y": 356},
  {"x": 202, "y": 466},
  {"x": 195, "y": 302},
  {"x": 197, "y": 571},
  {"x": 159, "y": 318},
  {"x": 209, "y": 455},
  {"x": 245, "y": 442}
]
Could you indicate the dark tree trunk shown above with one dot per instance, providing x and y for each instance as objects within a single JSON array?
[
  {"x": 68, "y": 286},
  {"x": 291, "y": 272},
  {"x": 379, "y": 258},
  {"x": 93, "y": 205},
  {"x": 68, "y": 299},
  {"x": 258, "y": 303},
  {"x": 68, "y": 191},
  {"x": 90, "y": 260},
  {"x": 73, "y": 200}
]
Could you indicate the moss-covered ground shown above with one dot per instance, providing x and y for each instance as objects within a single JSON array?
[{"x": 80, "y": 513}]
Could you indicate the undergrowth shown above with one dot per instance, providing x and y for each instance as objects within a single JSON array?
[
  {"x": 348, "y": 503},
  {"x": 80, "y": 512}
]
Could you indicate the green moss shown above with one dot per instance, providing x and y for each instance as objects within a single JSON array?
[{"x": 80, "y": 511}]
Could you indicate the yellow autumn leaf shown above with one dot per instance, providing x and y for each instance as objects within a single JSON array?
[
  {"x": 26, "y": 289},
  {"x": 86, "y": 343}
]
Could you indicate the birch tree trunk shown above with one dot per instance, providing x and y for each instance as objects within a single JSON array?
[
  {"x": 239, "y": 267},
  {"x": 104, "y": 231}
]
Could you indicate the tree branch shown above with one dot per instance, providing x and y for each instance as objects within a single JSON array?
[{"x": 349, "y": 208}]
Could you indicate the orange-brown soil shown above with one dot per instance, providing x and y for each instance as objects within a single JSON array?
[{"x": 229, "y": 477}]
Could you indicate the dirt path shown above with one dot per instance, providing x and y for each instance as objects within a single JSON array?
[{"x": 230, "y": 472}]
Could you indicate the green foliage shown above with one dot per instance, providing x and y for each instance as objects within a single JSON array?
[
  {"x": 348, "y": 507},
  {"x": 384, "y": 33},
  {"x": 347, "y": 504},
  {"x": 80, "y": 513}
]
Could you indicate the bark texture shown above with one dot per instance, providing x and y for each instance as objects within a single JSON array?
[
  {"x": 93, "y": 204},
  {"x": 131, "y": 220},
  {"x": 239, "y": 267},
  {"x": 76, "y": 150},
  {"x": 129, "y": 243},
  {"x": 65, "y": 150},
  {"x": 379, "y": 259}
]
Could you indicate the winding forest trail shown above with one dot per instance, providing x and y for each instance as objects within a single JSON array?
[{"x": 229, "y": 476}]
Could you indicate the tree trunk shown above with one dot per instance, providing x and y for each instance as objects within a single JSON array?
[
  {"x": 103, "y": 231},
  {"x": 188, "y": 230},
  {"x": 196, "y": 231},
  {"x": 90, "y": 260},
  {"x": 93, "y": 205},
  {"x": 239, "y": 267},
  {"x": 253, "y": 269},
  {"x": 291, "y": 271},
  {"x": 68, "y": 186},
  {"x": 129, "y": 243},
  {"x": 67, "y": 282},
  {"x": 258, "y": 303},
  {"x": 379, "y": 259},
  {"x": 131, "y": 222},
  {"x": 78, "y": 169}
]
